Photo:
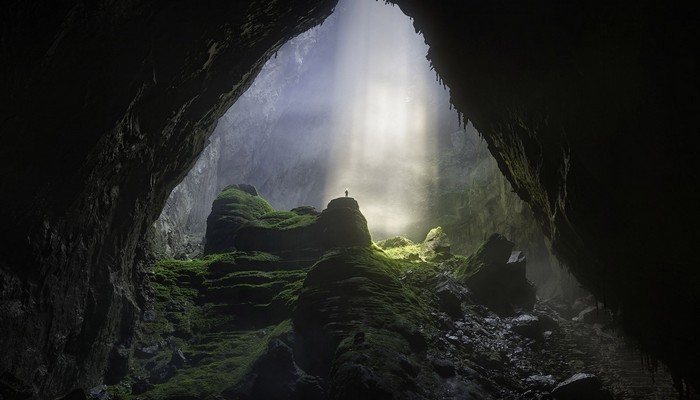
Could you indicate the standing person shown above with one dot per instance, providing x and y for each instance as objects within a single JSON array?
[{"x": 346, "y": 193}]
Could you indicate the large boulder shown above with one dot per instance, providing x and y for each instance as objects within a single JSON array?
[
  {"x": 435, "y": 245},
  {"x": 235, "y": 206},
  {"x": 496, "y": 276}
]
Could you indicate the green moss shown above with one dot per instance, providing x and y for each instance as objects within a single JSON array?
[
  {"x": 221, "y": 311},
  {"x": 228, "y": 357},
  {"x": 284, "y": 220},
  {"x": 409, "y": 252},
  {"x": 396, "y": 241},
  {"x": 241, "y": 204}
]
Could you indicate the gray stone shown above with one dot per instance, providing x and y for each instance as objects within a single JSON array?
[{"x": 581, "y": 387}]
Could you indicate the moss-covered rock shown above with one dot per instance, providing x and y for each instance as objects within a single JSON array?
[
  {"x": 435, "y": 245},
  {"x": 341, "y": 224},
  {"x": 235, "y": 206},
  {"x": 208, "y": 322}
]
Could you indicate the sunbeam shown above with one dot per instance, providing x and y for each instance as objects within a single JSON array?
[{"x": 380, "y": 115}]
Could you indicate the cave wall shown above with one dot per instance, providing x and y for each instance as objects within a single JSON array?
[
  {"x": 589, "y": 110},
  {"x": 105, "y": 106}
]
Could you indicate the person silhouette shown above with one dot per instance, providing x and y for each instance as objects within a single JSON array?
[{"x": 346, "y": 193}]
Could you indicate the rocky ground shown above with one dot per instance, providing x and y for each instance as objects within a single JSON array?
[{"x": 303, "y": 305}]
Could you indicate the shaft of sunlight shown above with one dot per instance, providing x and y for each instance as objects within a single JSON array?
[{"x": 381, "y": 117}]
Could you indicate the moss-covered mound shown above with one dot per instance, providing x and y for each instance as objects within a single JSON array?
[
  {"x": 350, "y": 289},
  {"x": 235, "y": 206},
  {"x": 208, "y": 321},
  {"x": 341, "y": 224}
]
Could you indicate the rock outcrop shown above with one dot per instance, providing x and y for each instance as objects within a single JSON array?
[
  {"x": 496, "y": 276},
  {"x": 235, "y": 206}
]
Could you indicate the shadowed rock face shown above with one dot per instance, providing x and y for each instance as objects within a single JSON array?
[{"x": 588, "y": 108}]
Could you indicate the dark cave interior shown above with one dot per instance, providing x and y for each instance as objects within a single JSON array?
[{"x": 588, "y": 108}]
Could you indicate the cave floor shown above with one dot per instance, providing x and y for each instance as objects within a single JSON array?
[{"x": 229, "y": 325}]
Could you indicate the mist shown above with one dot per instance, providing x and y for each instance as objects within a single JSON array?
[{"x": 382, "y": 117}]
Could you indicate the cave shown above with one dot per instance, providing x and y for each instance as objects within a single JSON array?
[{"x": 586, "y": 108}]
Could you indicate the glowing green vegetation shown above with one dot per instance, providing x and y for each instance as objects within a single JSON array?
[{"x": 401, "y": 248}]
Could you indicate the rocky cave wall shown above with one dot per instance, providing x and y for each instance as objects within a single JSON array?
[
  {"x": 105, "y": 106},
  {"x": 587, "y": 107}
]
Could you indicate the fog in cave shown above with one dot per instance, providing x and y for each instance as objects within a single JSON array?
[{"x": 352, "y": 104}]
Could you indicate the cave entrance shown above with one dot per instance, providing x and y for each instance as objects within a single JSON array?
[
  {"x": 354, "y": 104},
  {"x": 350, "y": 104}
]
